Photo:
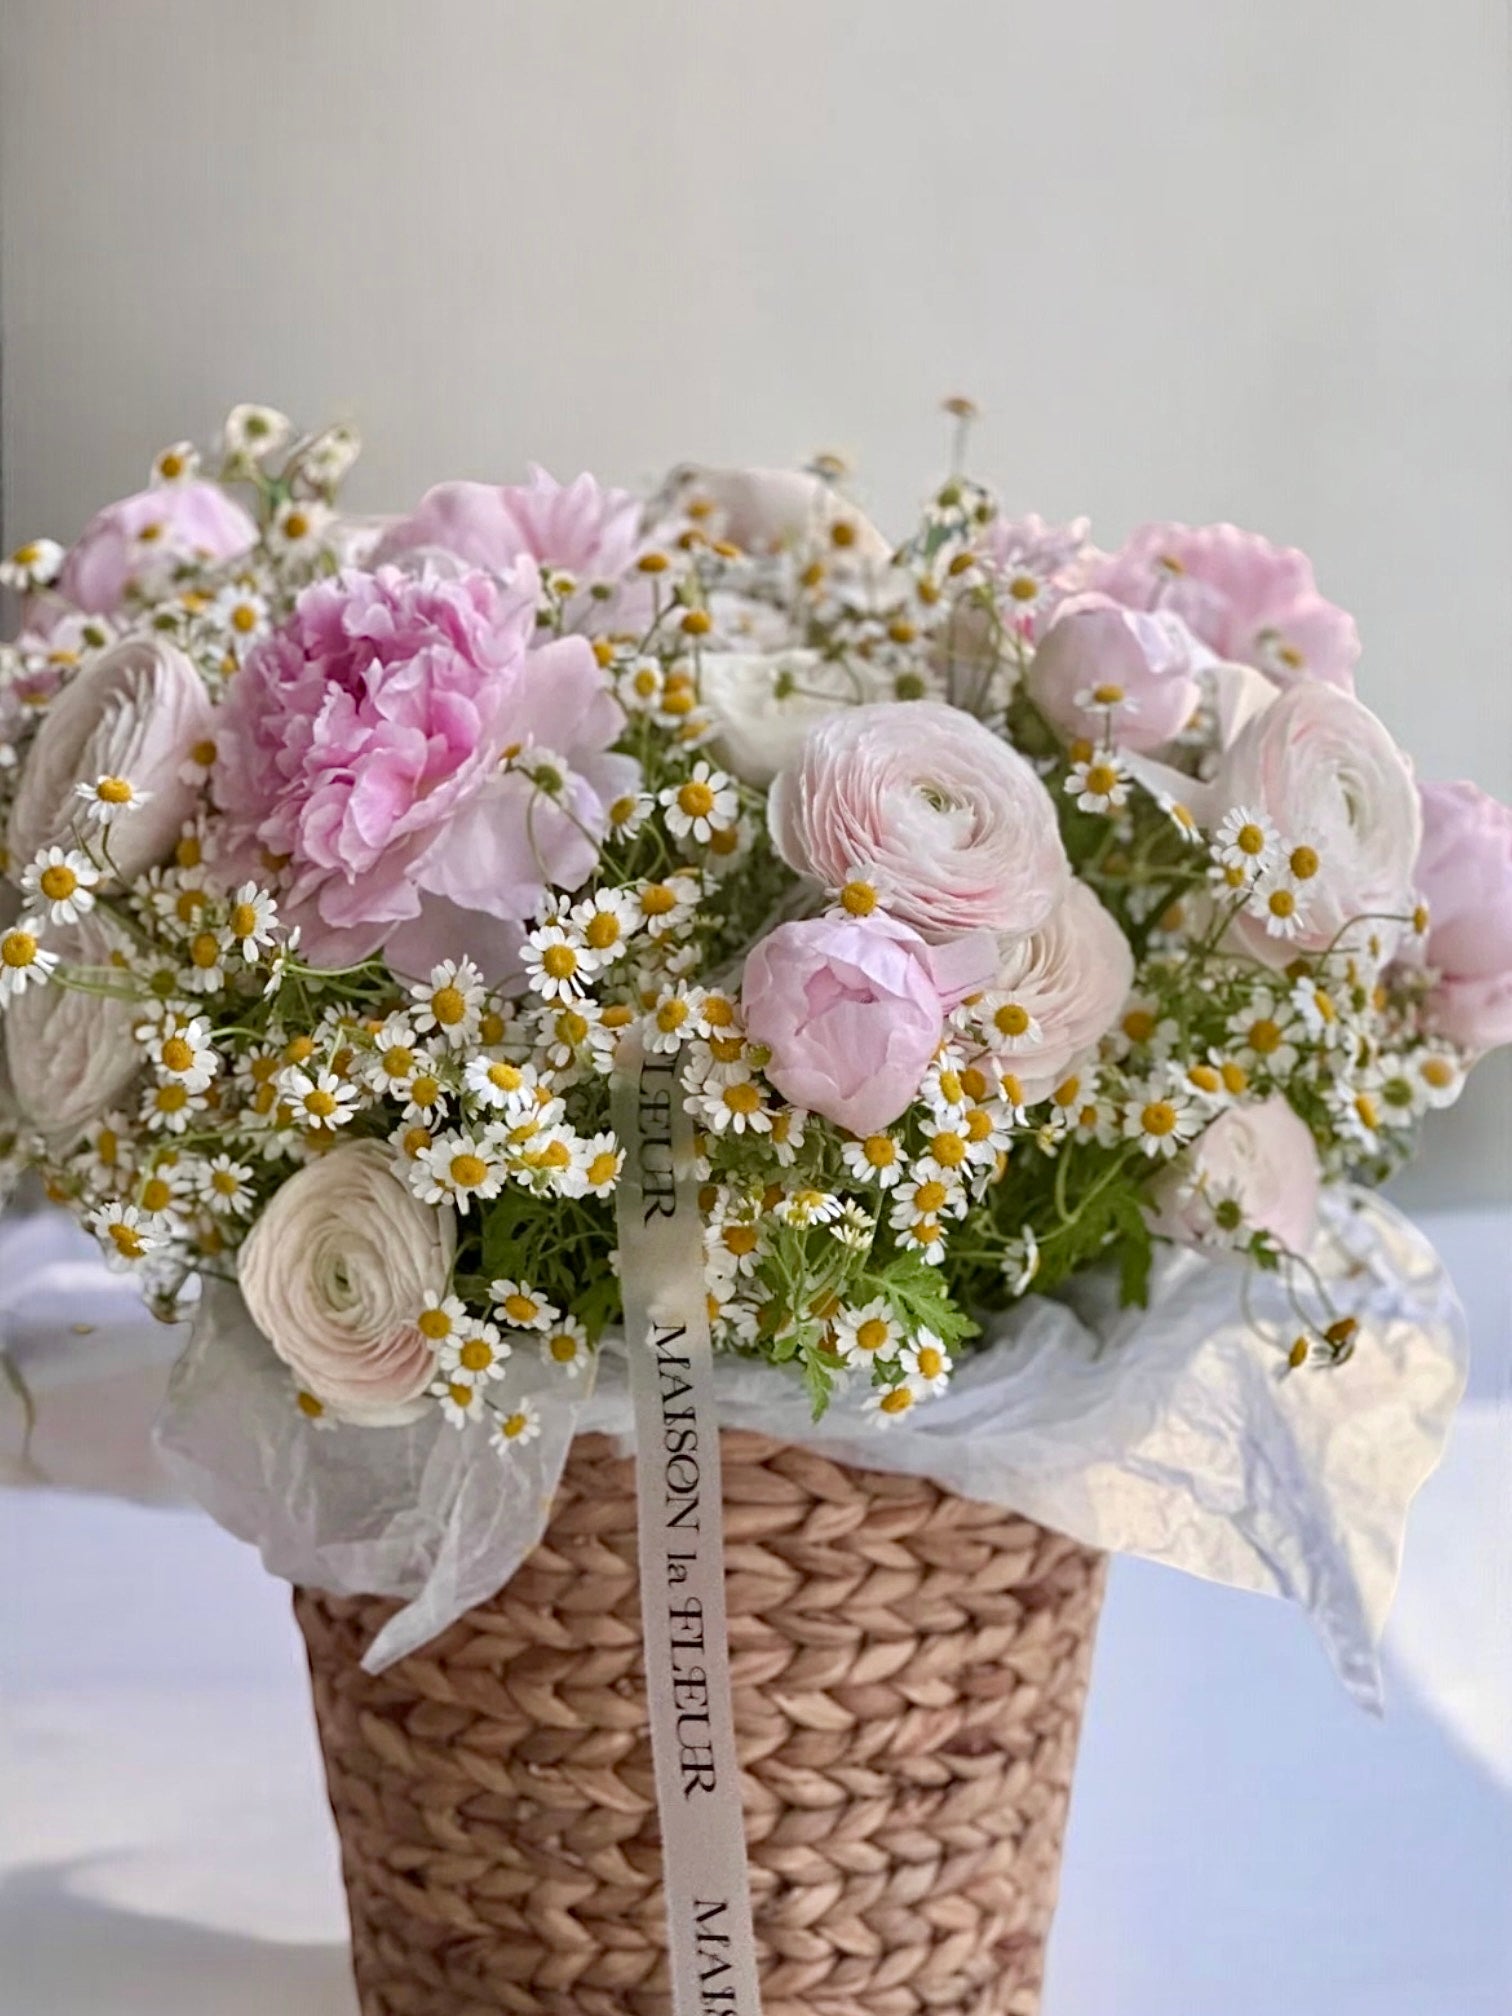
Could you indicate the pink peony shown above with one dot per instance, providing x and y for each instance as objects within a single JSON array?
[
  {"x": 954, "y": 826},
  {"x": 136, "y": 541},
  {"x": 587, "y": 530},
  {"x": 1261, "y": 1158},
  {"x": 1465, "y": 874},
  {"x": 1104, "y": 670},
  {"x": 361, "y": 744},
  {"x": 851, "y": 1012},
  {"x": 1244, "y": 598}
]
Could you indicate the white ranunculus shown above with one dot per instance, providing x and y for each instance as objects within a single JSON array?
[
  {"x": 1071, "y": 976},
  {"x": 135, "y": 711},
  {"x": 1322, "y": 768},
  {"x": 71, "y": 1054},
  {"x": 764, "y": 510},
  {"x": 955, "y": 827},
  {"x": 764, "y": 703},
  {"x": 335, "y": 1273}
]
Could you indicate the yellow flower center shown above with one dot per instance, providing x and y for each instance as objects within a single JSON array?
[
  {"x": 1107, "y": 695},
  {"x": 224, "y": 1183},
  {"x": 559, "y": 962},
  {"x": 114, "y": 791},
  {"x": 1304, "y": 863},
  {"x": 671, "y": 1015},
  {"x": 696, "y": 799},
  {"x": 476, "y": 1354},
  {"x": 739, "y": 1239},
  {"x": 742, "y": 1098},
  {"x": 127, "y": 1241},
  {"x": 1158, "y": 1118},
  {"x": 1205, "y": 1078},
  {"x": 603, "y": 1167},
  {"x": 204, "y": 950},
  {"x": 203, "y": 753},
  {"x": 931, "y": 1363},
  {"x": 1265, "y": 1036},
  {"x": 449, "y": 1006},
  {"x": 157, "y": 1194},
  {"x": 178, "y": 1055},
  {"x": 435, "y": 1324},
  {"x": 398, "y": 1061},
  {"x": 1102, "y": 779},
  {"x": 309, "y": 1406},
  {"x": 719, "y": 1012},
  {"x": 171, "y": 1098},
  {"x": 521, "y": 1308},
  {"x": 656, "y": 899},
  {"x": 880, "y": 1150},
  {"x": 563, "y": 1347},
  {"x": 1023, "y": 588},
  {"x": 1250, "y": 839},
  {"x": 243, "y": 618},
  {"x": 243, "y": 919},
  {"x": 507, "y": 1077},
  {"x": 1437, "y": 1073},
  {"x": 18, "y": 948},
  {"x": 296, "y": 525},
  {"x": 1067, "y": 1092},
  {"x": 896, "y": 1400},
  {"x": 1282, "y": 903},
  {"x": 319, "y": 1103},
  {"x": 513, "y": 1426},
  {"x": 1012, "y": 1019},
  {"x": 931, "y": 1196},
  {"x": 948, "y": 1149},
  {"x": 872, "y": 1334},
  {"x": 468, "y": 1171},
  {"x": 858, "y": 899},
  {"x": 58, "y": 882},
  {"x": 603, "y": 930},
  {"x": 1139, "y": 1025}
]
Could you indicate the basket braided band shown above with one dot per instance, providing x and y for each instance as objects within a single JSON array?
[{"x": 909, "y": 1668}]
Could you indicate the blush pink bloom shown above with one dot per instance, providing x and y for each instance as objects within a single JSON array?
[
  {"x": 582, "y": 527},
  {"x": 1465, "y": 875},
  {"x": 361, "y": 744},
  {"x": 1244, "y": 598},
  {"x": 1263, "y": 1158},
  {"x": 135, "y": 542},
  {"x": 955, "y": 827},
  {"x": 851, "y": 1012},
  {"x": 1327, "y": 774},
  {"x": 1102, "y": 668},
  {"x": 1071, "y": 976}
]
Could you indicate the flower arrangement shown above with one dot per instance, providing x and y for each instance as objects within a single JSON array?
[{"x": 1008, "y": 907}]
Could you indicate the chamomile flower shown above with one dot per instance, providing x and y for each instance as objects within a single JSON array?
[
  {"x": 500, "y": 1084},
  {"x": 1021, "y": 1260},
  {"x": 1161, "y": 1117},
  {"x": 789, "y": 1125},
  {"x": 170, "y": 1107},
  {"x": 241, "y": 613},
  {"x": 204, "y": 969},
  {"x": 520, "y": 1305},
  {"x": 24, "y": 960},
  {"x": 886, "y": 1406},
  {"x": 1181, "y": 817},
  {"x": 1008, "y": 1024},
  {"x": 450, "y": 1002},
  {"x": 182, "y": 1048},
  {"x": 731, "y": 1100},
  {"x": 1360, "y": 1113},
  {"x": 321, "y": 1100},
  {"x": 1100, "y": 783},
  {"x": 162, "y": 1192},
  {"x": 457, "y": 1169},
  {"x": 470, "y": 1350},
  {"x": 1265, "y": 1028},
  {"x": 557, "y": 962},
  {"x": 519, "y": 1425},
  {"x": 868, "y": 1335},
  {"x": 461, "y": 1400},
  {"x": 252, "y": 432},
  {"x": 803, "y": 1208},
  {"x": 598, "y": 1159},
  {"x": 33, "y": 565},
  {"x": 178, "y": 463},
  {"x": 126, "y": 1232},
  {"x": 1247, "y": 841},
  {"x": 628, "y": 814},
  {"x": 1143, "y": 1028},
  {"x": 108, "y": 798},
  {"x": 1437, "y": 1075},
  {"x": 313, "y": 1410},
  {"x": 1280, "y": 904},
  {"x": 1319, "y": 1010},
  {"x": 666, "y": 907},
  {"x": 61, "y": 882},
  {"x": 674, "y": 1018},
  {"x": 854, "y": 1227},
  {"x": 927, "y": 1363},
  {"x": 605, "y": 922},
  {"x": 565, "y": 1346},
  {"x": 226, "y": 1185},
  {"x": 299, "y": 527}
]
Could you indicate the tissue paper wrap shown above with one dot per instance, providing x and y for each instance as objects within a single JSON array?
[{"x": 1168, "y": 1432}]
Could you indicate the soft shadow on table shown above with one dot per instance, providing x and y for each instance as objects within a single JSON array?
[{"x": 68, "y": 1955}]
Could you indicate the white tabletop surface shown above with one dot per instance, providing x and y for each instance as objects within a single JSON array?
[{"x": 1244, "y": 1842}]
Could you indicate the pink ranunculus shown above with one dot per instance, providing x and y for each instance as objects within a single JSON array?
[
  {"x": 1322, "y": 768},
  {"x": 955, "y": 826},
  {"x": 1102, "y": 668},
  {"x": 1464, "y": 872},
  {"x": 135, "y": 542},
  {"x": 1071, "y": 977},
  {"x": 361, "y": 744},
  {"x": 582, "y": 527},
  {"x": 1244, "y": 598},
  {"x": 1263, "y": 1159},
  {"x": 851, "y": 1012}
]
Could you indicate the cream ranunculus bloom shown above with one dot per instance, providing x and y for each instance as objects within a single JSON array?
[
  {"x": 71, "y": 1054},
  {"x": 765, "y": 702},
  {"x": 135, "y": 712},
  {"x": 335, "y": 1272},
  {"x": 1071, "y": 977},
  {"x": 765, "y": 510}
]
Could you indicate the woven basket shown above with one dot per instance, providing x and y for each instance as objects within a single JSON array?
[{"x": 909, "y": 1669}]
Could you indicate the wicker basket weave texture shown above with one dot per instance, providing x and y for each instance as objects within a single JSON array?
[{"x": 909, "y": 1671}]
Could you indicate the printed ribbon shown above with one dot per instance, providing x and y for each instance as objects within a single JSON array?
[{"x": 711, "y": 1945}]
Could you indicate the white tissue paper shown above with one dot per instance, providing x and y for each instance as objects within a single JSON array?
[{"x": 1168, "y": 1432}]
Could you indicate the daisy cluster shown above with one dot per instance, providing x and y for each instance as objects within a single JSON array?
[{"x": 1009, "y": 906}]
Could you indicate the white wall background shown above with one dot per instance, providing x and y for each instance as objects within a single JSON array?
[{"x": 1195, "y": 258}]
